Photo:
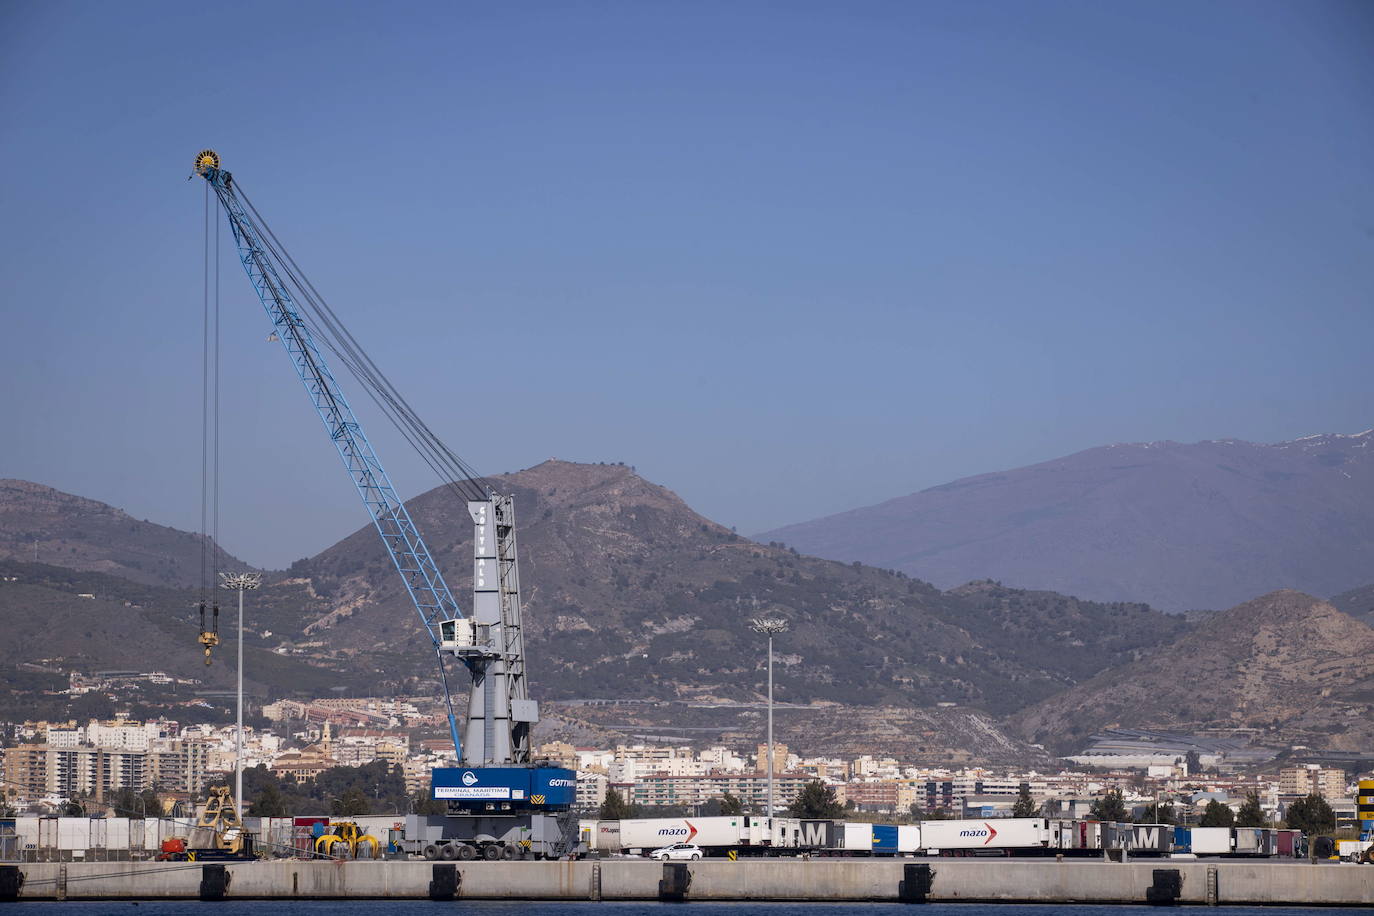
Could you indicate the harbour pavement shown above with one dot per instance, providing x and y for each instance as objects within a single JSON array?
[{"x": 916, "y": 881}]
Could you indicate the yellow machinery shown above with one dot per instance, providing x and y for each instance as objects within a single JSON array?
[
  {"x": 218, "y": 832},
  {"x": 346, "y": 840}
]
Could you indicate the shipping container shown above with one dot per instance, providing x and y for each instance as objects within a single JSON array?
[
  {"x": 884, "y": 840},
  {"x": 1147, "y": 839},
  {"x": 786, "y": 833},
  {"x": 9, "y": 840},
  {"x": 1254, "y": 841},
  {"x": 1063, "y": 835},
  {"x": 993, "y": 833},
  {"x": 606, "y": 836},
  {"x": 1288, "y": 843},
  {"x": 817, "y": 835},
  {"x": 753, "y": 831},
  {"x": 73, "y": 834},
  {"x": 855, "y": 837},
  {"x": 1206, "y": 841},
  {"x": 651, "y": 833}
]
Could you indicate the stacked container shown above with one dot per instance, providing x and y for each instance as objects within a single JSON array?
[{"x": 1364, "y": 808}]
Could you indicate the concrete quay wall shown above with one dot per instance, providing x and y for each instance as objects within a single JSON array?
[{"x": 826, "y": 879}]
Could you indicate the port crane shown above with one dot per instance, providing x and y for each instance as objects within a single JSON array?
[{"x": 497, "y": 797}]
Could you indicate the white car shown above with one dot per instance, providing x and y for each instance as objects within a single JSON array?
[{"x": 677, "y": 851}]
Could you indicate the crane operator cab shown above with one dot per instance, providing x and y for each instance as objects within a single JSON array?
[{"x": 457, "y": 635}]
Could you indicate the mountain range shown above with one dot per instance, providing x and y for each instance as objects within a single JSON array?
[
  {"x": 1178, "y": 526},
  {"x": 632, "y": 597}
]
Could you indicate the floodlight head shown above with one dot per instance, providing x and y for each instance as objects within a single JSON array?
[
  {"x": 240, "y": 582},
  {"x": 770, "y": 625}
]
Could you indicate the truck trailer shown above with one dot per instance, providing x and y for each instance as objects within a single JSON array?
[{"x": 990, "y": 836}]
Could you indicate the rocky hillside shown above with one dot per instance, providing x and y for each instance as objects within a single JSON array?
[
  {"x": 57, "y": 621},
  {"x": 1287, "y": 667},
  {"x": 1177, "y": 526},
  {"x": 632, "y": 594},
  {"x": 65, "y": 530}
]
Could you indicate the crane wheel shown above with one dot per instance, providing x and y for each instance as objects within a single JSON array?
[
  {"x": 449, "y": 852},
  {"x": 466, "y": 853},
  {"x": 206, "y": 159},
  {"x": 431, "y": 852},
  {"x": 509, "y": 852},
  {"x": 491, "y": 852}
]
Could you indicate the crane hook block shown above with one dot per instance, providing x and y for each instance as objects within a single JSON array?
[{"x": 206, "y": 160}]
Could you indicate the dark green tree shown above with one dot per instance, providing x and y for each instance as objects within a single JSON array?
[
  {"x": 421, "y": 803},
  {"x": 268, "y": 802},
  {"x": 350, "y": 804},
  {"x": 815, "y": 800},
  {"x": 731, "y": 806},
  {"x": 1109, "y": 807},
  {"x": 74, "y": 806},
  {"x": 1312, "y": 815},
  {"x": 1025, "y": 805},
  {"x": 1218, "y": 815},
  {"x": 614, "y": 808},
  {"x": 1251, "y": 814},
  {"x": 1158, "y": 814},
  {"x": 1193, "y": 761}
]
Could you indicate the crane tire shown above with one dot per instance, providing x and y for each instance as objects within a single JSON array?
[
  {"x": 509, "y": 852},
  {"x": 467, "y": 852},
  {"x": 448, "y": 852},
  {"x": 431, "y": 852},
  {"x": 491, "y": 852}
]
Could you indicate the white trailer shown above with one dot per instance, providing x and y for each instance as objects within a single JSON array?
[
  {"x": 966, "y": 837},
  {"x": 1211, "y": 841},
  {"x": 908, "y": 838},
  {"x": 644, "y": 834},
  {"x": 855, "y": 837}
]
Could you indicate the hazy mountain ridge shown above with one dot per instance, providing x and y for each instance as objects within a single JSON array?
[
  {"x": 1177, "y": 526},
  {"x": 1357, "y": 602}
]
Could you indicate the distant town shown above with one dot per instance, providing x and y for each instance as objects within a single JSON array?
[{"x": 97, "y": 767}]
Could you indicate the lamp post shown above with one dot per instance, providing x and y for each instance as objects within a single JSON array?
[
  {"x": 770, "y": 626},
  {"x": 239, "y": 582}
]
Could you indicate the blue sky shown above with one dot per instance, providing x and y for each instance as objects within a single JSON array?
[{"x": 784, "y": 258}]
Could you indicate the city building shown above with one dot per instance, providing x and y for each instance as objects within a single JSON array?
[{"x": 1313, "y": 779}]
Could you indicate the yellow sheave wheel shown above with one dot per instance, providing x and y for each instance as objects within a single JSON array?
[{"x": 206, "y": 159}]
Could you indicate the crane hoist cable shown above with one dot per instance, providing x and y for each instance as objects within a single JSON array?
[
  {"x": 455, "y": 473},
  {"x": 209, "y": 440}
]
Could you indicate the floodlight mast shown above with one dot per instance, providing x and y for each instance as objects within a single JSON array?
[
  {"x": 770, "y": 626},
  {"x": 239, "y": 582}
]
